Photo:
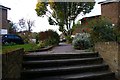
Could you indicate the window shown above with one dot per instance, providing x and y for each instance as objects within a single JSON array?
[
  {"x": 17, "y": 37},
  {"x": 10, "y": 36}
]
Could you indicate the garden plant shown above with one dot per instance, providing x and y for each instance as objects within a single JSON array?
[{"x": 81, "y": 41}]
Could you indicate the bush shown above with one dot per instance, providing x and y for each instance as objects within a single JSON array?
[
  {"x": 100, "y": 29},
  {"x": 41, "y": 44},
  {"x": 50, "y": 37},
  {"x": 103, "y": 31},
  {"x": 69, "y": 39},
  {"x": 81, "y": 41}
]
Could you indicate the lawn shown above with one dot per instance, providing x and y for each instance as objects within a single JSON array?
[{"x": 27, "y": 47}]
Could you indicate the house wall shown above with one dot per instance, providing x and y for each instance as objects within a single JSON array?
[
  {"x": 110, "y": 52},
  {"x": 87, "y": 19},
  {"x": 119, "y": 14},
  {"x": 0, "y": 18},
  {"x": 111, "y": 11},
  {"x": 4, "y": 19}
]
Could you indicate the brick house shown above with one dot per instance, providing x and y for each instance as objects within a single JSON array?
[
  {"x": 84, "y": 21},
  {"x": 87, "y": 19},
  {"x": 3, "y": 19},
  {"x": 111, "y": 10}
]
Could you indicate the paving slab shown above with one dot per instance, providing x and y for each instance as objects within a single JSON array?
[{"x": 62, "y": 48}]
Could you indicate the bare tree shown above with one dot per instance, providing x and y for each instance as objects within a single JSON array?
[
  {"x": 26, "y": 24},
  {"x": 22, "y": 23},
  {"x": 30, "y": 24}
]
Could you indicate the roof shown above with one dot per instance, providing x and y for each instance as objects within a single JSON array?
[
  {"x": 91, "y": 16},
  {"x": 3, "y": 7},
  {"x": 108, "y": 1}
]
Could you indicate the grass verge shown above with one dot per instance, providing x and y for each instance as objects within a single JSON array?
[{"x": 27, "y": 47}]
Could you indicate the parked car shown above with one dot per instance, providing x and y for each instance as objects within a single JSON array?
[
  {"x": 63, "y": 40},
  {"x": 12, "y": 38}
]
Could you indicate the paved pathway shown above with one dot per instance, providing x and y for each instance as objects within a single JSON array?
[{"x": 62, "y": 48}]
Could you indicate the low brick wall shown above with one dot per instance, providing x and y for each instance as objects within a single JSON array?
[
  {"x": 12, "y": 65},
  {"x": 110, "y": 52}
]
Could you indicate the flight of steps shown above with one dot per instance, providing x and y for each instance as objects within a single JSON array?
[{"x": 83, "y": 66}]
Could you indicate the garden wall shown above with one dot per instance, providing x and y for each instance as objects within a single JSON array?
[
  {"x": 110, "y": 52},
  {"x": 12, "y": 65}
]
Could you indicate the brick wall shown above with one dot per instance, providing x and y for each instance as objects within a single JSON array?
[
  {"x": 111, "y": 11},
  {"x": 0, "y": 18},
  {"x": 12, "y": 65},
  {"x": 4, "y": 19},
  {"x": 119, "y": 14},
  {"x": 110, "y": 52}
]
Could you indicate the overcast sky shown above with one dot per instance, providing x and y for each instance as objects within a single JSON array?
[{"x": 26, "y": 9}]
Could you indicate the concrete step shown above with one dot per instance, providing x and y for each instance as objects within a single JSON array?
[
  {"x": 59, "y": 56},
  {"x": 61, "y": 62},
  {"x": 65, "y": 66},
  {"x": 63, "y": 70},
  {"x": 98, "y": 75},
  {"x": 102, "y": 75}
]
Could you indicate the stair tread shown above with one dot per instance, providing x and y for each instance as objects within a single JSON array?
[
  {"x": 66, "y": 67},
  {"x": 78, "y": 75},
  {"x": 89, "y": 74},
  {"x": 60, "y": 60},
  {"x": 62, "y": 54}
]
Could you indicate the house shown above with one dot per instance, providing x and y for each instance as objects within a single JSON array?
[
  {"x": 111, "y": 10},
  {"x": 84, "y": 21},
  {"x": 3, "y": 19},
  {"x": 87, "y": 19}
]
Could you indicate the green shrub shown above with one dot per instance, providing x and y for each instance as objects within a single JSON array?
[
  {"x": 103, "y": 31},
  {"x": 81, "y": 41},
  {"x": 69, "y": 39},
  {"x": 54, "y": 38},
  {"x": 100, "y": 29},
  {"x": 50, "y": 37},
  {"x": 41, "y": 44}
]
